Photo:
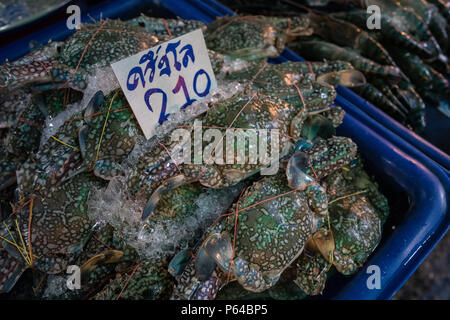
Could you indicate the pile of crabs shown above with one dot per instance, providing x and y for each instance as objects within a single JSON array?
[
  {"x": 401, "y": 46},
  {"x": 281, "y": 235}
]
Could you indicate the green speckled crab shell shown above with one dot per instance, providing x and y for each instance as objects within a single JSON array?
[
  {"x": 241, "y": 36},
  {"x": 119, "y": 136},
  {"x": 271, "y": 235},
  {"x": 114, "y": 40},
  {"x": 60, "y": 225},
  {"x": 282, "y": 79},
  {"x": 355, "y": 222},
  {"x": 150, "y": 281}
]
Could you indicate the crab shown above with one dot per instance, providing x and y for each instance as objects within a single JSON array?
[
  {"x": 58, "y": 231},
  {"x": 30, "y": 68},
  {"x": 156, "y": 172},
  {"x": 96, "y": 140},
  {"x": 147, "y": 280},
  {"x": 104, "y": 256},
  {"x": 24, "y": 136},
  {"x": 284, "y": 289},
  {"x": 254, "y": 37},
  {"x": 356, "y": 223},
  {"x": 303, "y": 82},
  {"x": 94, "y": 46},
  {"x": 270, "y": 234},
  {"x": 282, "y": 78},
  {"x": 311, "y": 273}
]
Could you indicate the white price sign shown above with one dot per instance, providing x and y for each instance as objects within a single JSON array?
[{"x": 166, "y": 78}]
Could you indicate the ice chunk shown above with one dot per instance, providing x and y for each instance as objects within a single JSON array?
[{"x": 232, "y": 65}]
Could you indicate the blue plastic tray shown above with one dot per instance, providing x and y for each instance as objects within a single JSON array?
[{"x": 398, "y": 166}]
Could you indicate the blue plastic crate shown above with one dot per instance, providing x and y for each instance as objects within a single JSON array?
[{"x": 399, "y": 167}]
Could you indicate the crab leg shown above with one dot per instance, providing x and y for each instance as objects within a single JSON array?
[{"x": 317, "y": 50}]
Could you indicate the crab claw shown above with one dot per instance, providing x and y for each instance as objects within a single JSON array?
[
  {"x": 106, "y": 257},
  {"x": 165, "y": 187},
  {"x": 107, "y": 169},
  {"x": 252, "y": 279},
  {"x": 94, "y": 104},
  {"x": 318, "y": 126},
  {"x": 204, "y": 265},
  {"x": 179, "y": 262},
  {"x": 218, "y": 247},
  {"x": 347, "y": 78},
  {"x": 12, "y": 269},
  {"x": 323, "y": 241},
  {"x": 295, "y": 171},
  {"x": 83, "y": 132}
]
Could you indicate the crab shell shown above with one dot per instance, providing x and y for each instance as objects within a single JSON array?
[
  {"x": 252, "y": 37},
  {"x": 355, "y": 222}
]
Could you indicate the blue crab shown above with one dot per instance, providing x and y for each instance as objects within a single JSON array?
[
  {"x": 96, "y": 140},
  {"x": 303, "y": 82},
  {"x": 94, "y": 46},
  {"x": 147, "y": 280},
  {"x": 357, "y": 212},
  {"x": 25, "y": 135},
  {"x": 272, "y": 229},
  {"x": 254, "y": 37},
  {"x": 151, "y": 279},
  {"x": 316, "y": 80},
  {"x": 104, "y": 255},
  {"x": 58, "y": 231},
  {"x": 30, "y": 68}
]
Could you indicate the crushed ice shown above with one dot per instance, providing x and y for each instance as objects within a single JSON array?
[{"x": 114, "y": 206}]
